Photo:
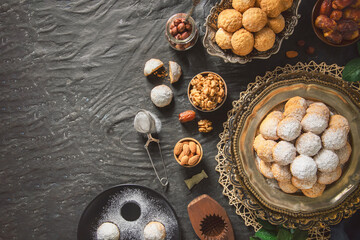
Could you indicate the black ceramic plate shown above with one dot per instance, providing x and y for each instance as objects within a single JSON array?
[{"x": 130, "y": 207}]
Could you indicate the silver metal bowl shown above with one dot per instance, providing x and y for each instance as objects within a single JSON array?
[{"x": 291, "y": 20}]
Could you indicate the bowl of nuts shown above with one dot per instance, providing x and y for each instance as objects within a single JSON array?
[
  {"x": 337, "y": 22},
  {"x": 188, "y": 152},
  {"x": 207, "y": 91}
]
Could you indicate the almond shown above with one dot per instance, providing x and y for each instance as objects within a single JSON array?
[
  {"x": 184, "y": 160},
  {"x": 181, "y": 155},
  {"x": 186, "y": 149},
  {"x": 192, "y": 146},
  {"x": 292, "y": 54},
  {"x": 178, "y": 148},
  {"x": 193, "y": 160},
  {"x": 198, "y": 152}
]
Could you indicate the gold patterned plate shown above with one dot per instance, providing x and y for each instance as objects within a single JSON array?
[
  {"x": 291, "y": 17},
  {"x": 339, "y": 200}
]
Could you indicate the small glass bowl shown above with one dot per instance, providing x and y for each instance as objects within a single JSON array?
[{"x": 185, "y": 44}]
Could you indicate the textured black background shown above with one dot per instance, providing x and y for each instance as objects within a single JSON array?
[{"x": 71, "y": 79}]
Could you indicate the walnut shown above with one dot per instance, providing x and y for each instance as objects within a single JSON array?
[{"x": 205, "y": 126}]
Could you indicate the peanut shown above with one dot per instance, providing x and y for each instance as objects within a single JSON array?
[
  {"x": 193, "y": 160},
  {"x": 178, "y": 148}
]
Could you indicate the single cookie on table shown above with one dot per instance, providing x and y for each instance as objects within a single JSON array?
[
  {"x": 344, "y": 153},
  {"x": 230, "y": 20},
  {"x": 271, "y": 7},
  {"x": 303, "y": 184},
  {"x": 314, "y": 122},
  {"x": 257, "y": 141},
  {"x": 314, "y": 192},
  {"x": 319, "y": 108},
  {"x": 295, "y": 111},
  {"x": 289, "y": 128},
  {"x": 154, "y": 231},
  {"x": 287, "y": 187},
  {"x": 269, "y": 125},
  {"x": 308, "y": 144},
  {"x": 296, "y": 101},
  {"x": 286, "y": 4},
  {"x": 264, "y": 150},
  {"x": 303, "y": 167},
  {"x": 254, "y": 19},
  {"x": 326, "y": 160},
  {"x": 338, "y": 121},
  {"x": 284, "y": 153},
  {"x": 223, "y": 38},
  {"x": 334, "y": 138},
  {"x": 265, "y": 169},
  {"x": 277, "y": 24},
  {"x": 264, "y": 39},
  {"x": 329, "y": 177},
  {"x": 242, "y": 42},
  {"x": 242, "y": 5},
  {"x": 281, "y": 173}
]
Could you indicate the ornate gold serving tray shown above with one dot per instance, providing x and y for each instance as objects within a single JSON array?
[
  {"x": 291, "y": 19},
  {"x": 247, "y": 189}
]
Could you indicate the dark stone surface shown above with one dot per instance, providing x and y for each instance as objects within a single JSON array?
[{"x": 71, "y": 79}]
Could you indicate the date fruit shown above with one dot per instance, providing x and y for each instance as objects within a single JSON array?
[
  {"x": 325, "y": 8},
  {"x": 325, "y": 23},
  {"x": 333, "y": 37},
  {"x": 341, "y": 4},
  {"x": 336, "y": 15},
  {"x": 291, "y": 54},
  {"x": 187, "y": 116}
]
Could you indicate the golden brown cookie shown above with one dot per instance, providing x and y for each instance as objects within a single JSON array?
[
  {"x": 314, "y": 192},
  {"x": 230, "y": 20},
  {"x": 281, "y": 173},
  {"x": 242, "y": 42},
  {"x": 254, "y": 19},
  {"x": 339, "y": 121},
  {"x": 223, "y": 39},
  {"x": 264, "y": 39},
  {"x": 329, "y": 177},
  {"x": 257, "y": 141},
  {"x": 286, "y": 4},
  {"x": 271, "y": 7},
  {"x": 264, "y": 150},
  {"x": 242, "y": 5},
  {"x": 277, "y": 24},
  {"x": 265, "y": 169},
  {"x": 287, "y": 187},
  {"x": 303, "y": 184},
  {"x": 344, "y": 153}
]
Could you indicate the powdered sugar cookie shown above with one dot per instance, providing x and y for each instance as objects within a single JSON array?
[
  {"x": 334, "y": 138},
  {"x": 304, "y": 184},
  {"x": 264, "y": 150},
  {"x": 269, "y": 125},
  {"x": 344, "y": 153},
  {"x": 326, "y": 160},
  {"x": 314, "y": 192},
  {"x": 329, "y": 177},
  {"x": 314, "y": 122},
  {"x": 287, "y": 187},
  {"x": 284, "y": 153},
  {"x": 319, "y": 108},
  {"x": 308, "y": 144},
  {"x": 281, "y": 173},
  {"x": 289, "y": 129},
  {"x": 303, "y": 167}
]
